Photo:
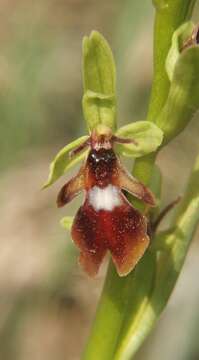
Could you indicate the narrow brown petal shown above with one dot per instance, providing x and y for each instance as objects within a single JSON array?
[
  {"x": 127, "y": 182},
  {"x": 71, "y": 189}
]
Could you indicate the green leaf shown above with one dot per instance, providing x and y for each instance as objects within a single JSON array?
[
  {"x": 99, "y": 104},
  {"x": 147, "y": 135},
  {"x": 179, "y": 36},
  {"x": 66, "y": 222},
  {"x": 63, "y": 162},
  {"x": 183, "y": 98}
]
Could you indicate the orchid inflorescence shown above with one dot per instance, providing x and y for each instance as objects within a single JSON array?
[{"x": 107, "y": 220}]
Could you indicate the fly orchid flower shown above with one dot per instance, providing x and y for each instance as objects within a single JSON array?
[{"x": 106, "y": 222}]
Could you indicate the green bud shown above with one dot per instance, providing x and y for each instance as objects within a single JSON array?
[
  {"x": 179, "y": 37},
  {"x": 183, "y": 98}
]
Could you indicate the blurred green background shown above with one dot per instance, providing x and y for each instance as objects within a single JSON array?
[{"x": 46, "y": 302}]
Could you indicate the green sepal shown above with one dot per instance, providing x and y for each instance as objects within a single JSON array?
[
  {"x": 146, "y": 134},
  {"x": 63, "y": 162},
  {"x": 183, "y": 98},
  {"x": 179, "y": 36},
  {"x": 99, "y": 103},
  {"x": 66, "y": 222}
]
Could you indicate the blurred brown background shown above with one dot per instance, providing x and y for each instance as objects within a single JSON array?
[{"x": 46, "y": 303}]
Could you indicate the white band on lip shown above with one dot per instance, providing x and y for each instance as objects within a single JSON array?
[{"x": 104, "y": 199}]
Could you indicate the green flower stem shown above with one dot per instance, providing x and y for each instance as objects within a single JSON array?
[
  {"x": 121, "y": 294},
  {"x": 143, "y": 167},
  {"x": 109, "y": 317}
]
